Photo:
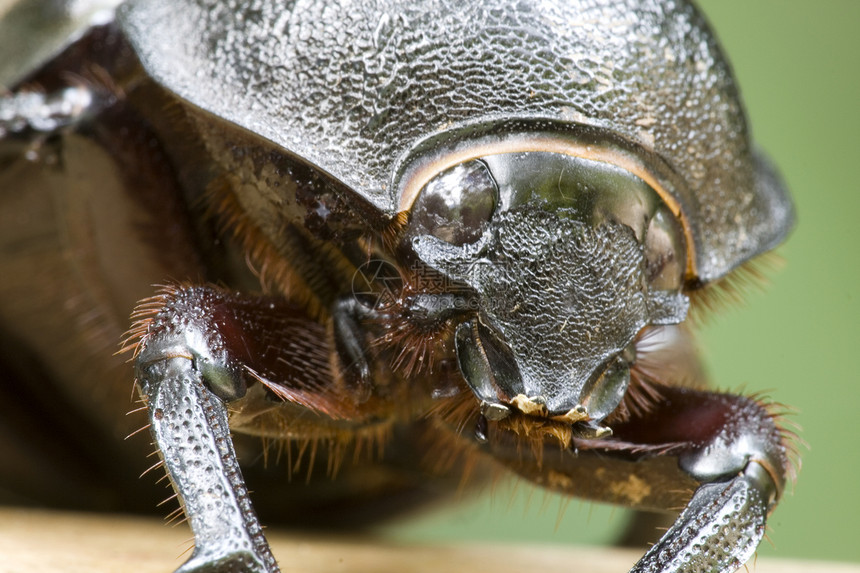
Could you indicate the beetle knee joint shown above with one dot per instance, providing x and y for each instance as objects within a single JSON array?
[{"x": 180, "y": 324}]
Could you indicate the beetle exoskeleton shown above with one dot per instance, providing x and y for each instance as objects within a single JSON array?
[{"x": 477, "y": 223}]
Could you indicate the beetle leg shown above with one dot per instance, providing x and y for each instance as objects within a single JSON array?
[
  {"x": 721, "y": 456},
  {"x": 719, "y": 529},
  {"x": 200, "y": 349},
  {"x": 346, "y": 315},
  {"x": 177, "y": 372},
  {"x": 189, "y": 423},
  {"x": 739, "y": 457}
]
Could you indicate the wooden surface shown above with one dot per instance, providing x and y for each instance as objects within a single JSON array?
[{"x": 40, "y": 542}]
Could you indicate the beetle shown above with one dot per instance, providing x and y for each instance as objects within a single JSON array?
[{"x": 384, "y": 228}]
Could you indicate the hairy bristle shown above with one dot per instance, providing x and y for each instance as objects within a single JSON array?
[
  {"x": 415, "y": 343},
  {"x": 142, "y": 317},
  {"x": 449, "y": 448},
  {"x": 459, "y": 411},
  {"x": 653, "y": 368},
  {"x": 641, "y": 396},
  {"x": 789, "y": 430},
  {"x": 392, "y": 233},
  {"x": 263, "y": 258},
  {"x": 167, "y": 499},
  {"x": 301, "y": 453},
  {"x": 415, "y": 346},
  {"x": 275, "y": 272},
  {"x": 97, "y": 79},
  {"x": 176, "y": 515},
  {"x": 731, "y": 290},
  {"x": 309, "y": 394},
  {"x": 534, "y": 433},
  {"x": 789, "y": 434}
]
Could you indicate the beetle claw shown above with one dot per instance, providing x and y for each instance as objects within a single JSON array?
[{"x": 534, "y": 406}]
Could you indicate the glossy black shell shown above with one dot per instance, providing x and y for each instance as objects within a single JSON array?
[{"x": 357, "y": 88}]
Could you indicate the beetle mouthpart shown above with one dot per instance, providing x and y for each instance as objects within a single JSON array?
[
  {"x": 580, "y": 423},
  {"x": 591, "y": 431},
  {"x": 583, "y": 425},
  {"x": 535, "y": 406},
  {"x": 487, "y": 365},
  {"x": 576, "y": 414},
  {"x": 602, "y": 394},
  {"x": 494, "y": 412}
]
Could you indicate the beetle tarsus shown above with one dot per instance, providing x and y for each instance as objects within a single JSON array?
[{"x": 350, "y": 345}]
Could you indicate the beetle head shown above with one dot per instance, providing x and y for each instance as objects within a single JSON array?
[{"x": 562, "y": 260}]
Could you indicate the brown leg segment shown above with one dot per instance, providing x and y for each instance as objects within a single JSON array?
[
  {"x": 738, "y": 453},
  {"x": 200, "y": 348},
  {"x": 721, "y": 456}
]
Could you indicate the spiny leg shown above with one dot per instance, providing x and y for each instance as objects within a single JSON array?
[
  {"x": 189, "y": 424},
  {"x": 722, "y": 457},
  {"x": 737, "y": 452},
  {"x": 200, "y": 348}
]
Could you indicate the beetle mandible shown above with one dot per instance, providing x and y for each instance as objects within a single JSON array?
[{"x": 478, "y": 224}]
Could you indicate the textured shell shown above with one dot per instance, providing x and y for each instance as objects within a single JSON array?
[{"x": 353, "y": 87}]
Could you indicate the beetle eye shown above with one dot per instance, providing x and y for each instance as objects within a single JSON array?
[
  {"x": 456, "y": 205},
  {"x": 664, "y": 252}
]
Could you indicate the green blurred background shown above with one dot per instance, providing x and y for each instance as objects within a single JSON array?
[{"x": 798, "y": 65}]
